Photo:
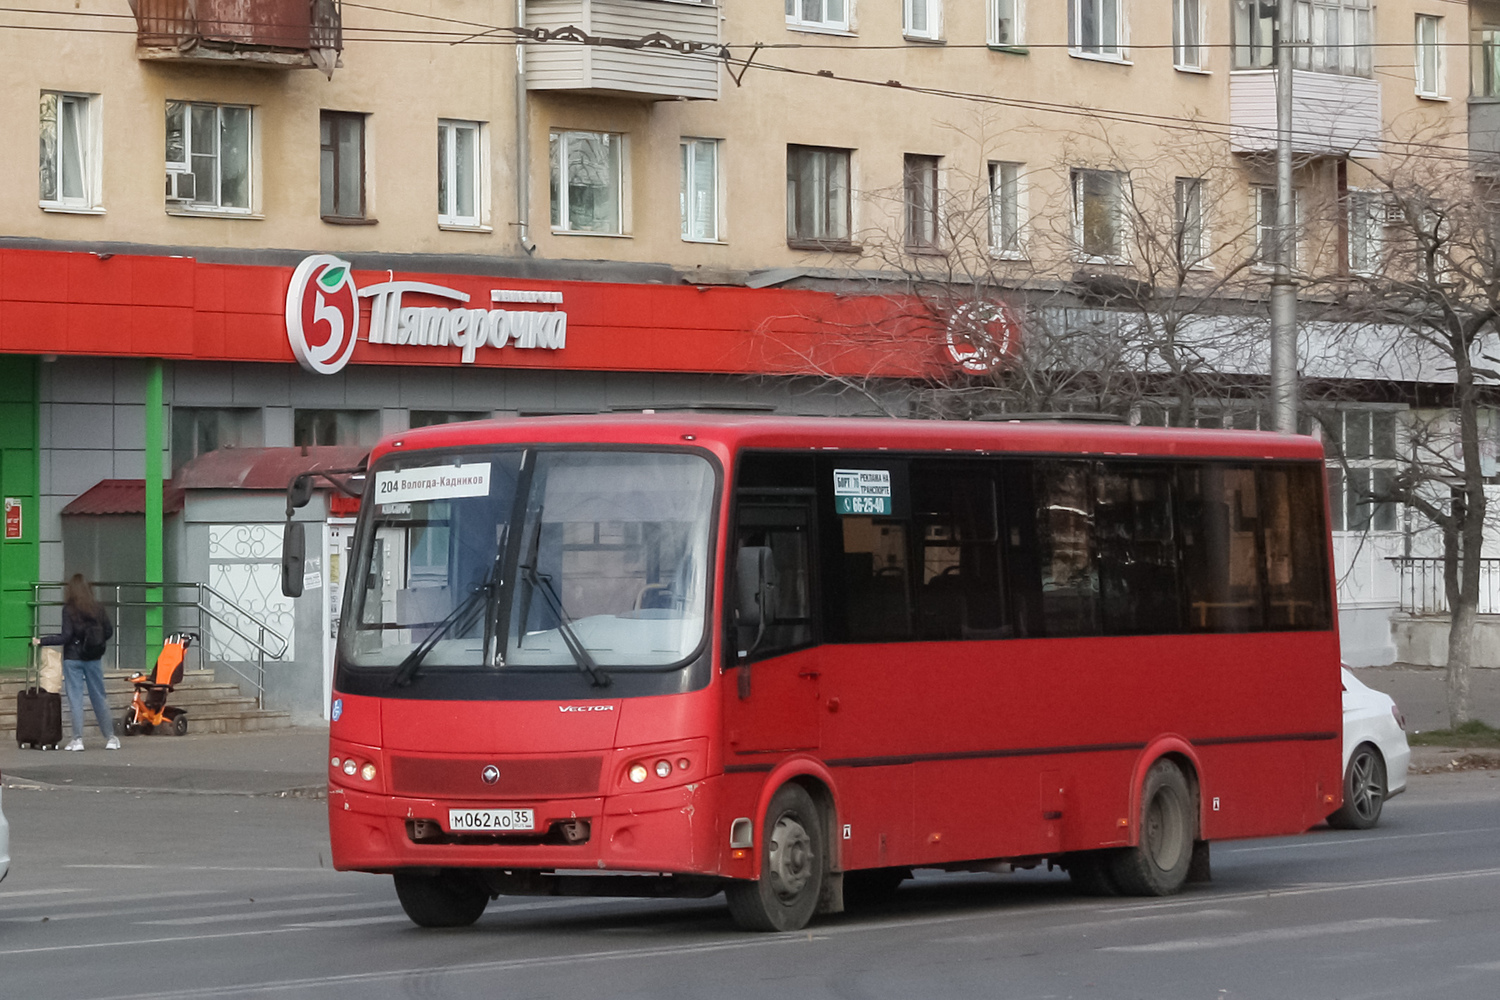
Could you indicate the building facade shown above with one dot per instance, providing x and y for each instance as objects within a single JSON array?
[{"x": 710, "y": 196}]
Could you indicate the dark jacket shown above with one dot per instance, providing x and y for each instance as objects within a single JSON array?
[{"x": 71, "y": 638}]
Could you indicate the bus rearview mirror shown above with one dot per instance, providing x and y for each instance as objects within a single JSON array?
[
  {"x": 293, "y": 555},
  {"x": 298, "y": 492}
]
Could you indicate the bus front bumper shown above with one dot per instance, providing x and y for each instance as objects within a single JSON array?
[{"x": 663, "y": 830}]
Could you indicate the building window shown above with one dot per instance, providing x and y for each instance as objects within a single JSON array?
[
  {"x": 1366, "y": 231},
  {"x": 586, "y": 182},
  {"x": 921, "y": 18},
  {"x": 1429, "y": 56},
  {"x": 1254, "y": 34},
  {"x": 1099, "y": 213},
  {"x": 430, "y": 418},
  {"x": 1191, "y": 249},
  {"x": 459, "y": 174},
  {"x": 208, "y": 156},
  {"x": 700, "y": 190},
  {"x": 1487, "y": 55},
  {"x": 1331, "y": 36},
  {"x": 343, "y": 165},
  {"x": 199, "y": 430},
  {"x": 1096, "y": 28},
  {"x": 1006, "y": 212},
  {"x": 1362, "y": 466},
  {"x": 1187, "y": 34},
  {"x": 69, "y": 163},
  {"x": 829, "y": 14},
  {"x": 1266, "y": 244},
  {"x": 326, "y": 427},
  {"x": 817, "y": 196},
  {"x": 1006, "y": 29},
  {"x": 920, "y": 196}
]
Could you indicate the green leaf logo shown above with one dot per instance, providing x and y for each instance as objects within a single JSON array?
[{"x": 333, "y": 277}]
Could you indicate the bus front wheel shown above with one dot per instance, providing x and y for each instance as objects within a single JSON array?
[
  {"x": 1158, "y": 865},
  {"x": 794, "y": 861},
  {"x": 442, "y": 900}
]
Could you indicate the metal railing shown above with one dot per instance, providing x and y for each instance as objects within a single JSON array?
[
  {"x": 295, "y": 25},
  {"x": 185, "y": 607},
  {"x": 1423, "y": 591}
]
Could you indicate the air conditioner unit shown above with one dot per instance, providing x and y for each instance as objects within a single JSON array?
[{"x": 180, "y": 186}]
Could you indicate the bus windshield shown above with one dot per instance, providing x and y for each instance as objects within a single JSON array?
[{"x": 604, "y": 569}]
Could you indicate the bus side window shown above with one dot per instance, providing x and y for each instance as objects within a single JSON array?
[
  {"x": 1296, "y": 567},
  {"x": 1065, "y": 548},
  {"x": 956, "y": 526},
  {"x": 876, "y": 580},
  {"x": 1137, "y": 549},
  {"x": 774, "y": 530},
  {"x": 1219, "y": 510}
]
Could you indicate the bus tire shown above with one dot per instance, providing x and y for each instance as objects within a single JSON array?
[
  {"x": 442, "y": 900},
  {"x": 794, "y": 861},
  {"x": 1159, "y": 864}
]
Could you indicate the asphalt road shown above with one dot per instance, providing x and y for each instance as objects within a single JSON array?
[{"x": 117, "y": 894}]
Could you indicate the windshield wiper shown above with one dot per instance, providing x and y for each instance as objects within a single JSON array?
[
  {"x": 590, "y": 669},
  {"x": 407, "y": 671}
]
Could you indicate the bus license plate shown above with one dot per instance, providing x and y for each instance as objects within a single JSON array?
[{"x": 491, "y": 820}]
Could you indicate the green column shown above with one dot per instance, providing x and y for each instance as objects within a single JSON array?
[
  {"x": 153, "y": 508},
  {"x": 20, "y": 482}
]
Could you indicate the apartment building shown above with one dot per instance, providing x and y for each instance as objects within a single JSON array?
[{"x": 568, "y": 205}]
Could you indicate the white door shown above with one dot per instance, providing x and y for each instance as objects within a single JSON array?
[{"x": 336, "y": 542}]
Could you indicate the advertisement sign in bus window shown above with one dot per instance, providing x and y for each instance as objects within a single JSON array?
[{"x": 862, "y": 491}]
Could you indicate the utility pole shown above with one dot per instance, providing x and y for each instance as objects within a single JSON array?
[{"x": 1283, "y": 286}]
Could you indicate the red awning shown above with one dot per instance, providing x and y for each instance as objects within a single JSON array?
[{"x": 121, "y": 496}]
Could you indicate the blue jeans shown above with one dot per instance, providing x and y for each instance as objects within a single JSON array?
[{"x": 76, "y": 675}]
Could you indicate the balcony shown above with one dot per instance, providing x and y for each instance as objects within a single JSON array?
[
  {"x": 649, "y": 73},
  {"x": 1332, "y": 115},
  {"x": 285, "y": 34}
]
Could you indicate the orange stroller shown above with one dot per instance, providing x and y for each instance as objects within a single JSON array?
[{"x": 149, "y": 711}]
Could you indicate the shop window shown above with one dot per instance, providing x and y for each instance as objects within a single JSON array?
[
  {"x": 332, "y": 427},
  {"x": 700, "y": 190},
  {"x": 428, "y": 418},
  {"x": 70, "y": 151},
  {"x": 587, "y": 182},
  {"x": 342, "y": 166},
  {"x": 200, "y": 430},
  {"x": 209, "y": 156},
  {"x": 817, "y": 197},
  {"x": 460, "y": 174}
]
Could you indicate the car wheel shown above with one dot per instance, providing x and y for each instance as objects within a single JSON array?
[
  {"x": 1158, "y": 865},
  {"x": 794, "y": 860},
  {"x": 441, "y": 900},
  {"x": 1364, "y": 790}
]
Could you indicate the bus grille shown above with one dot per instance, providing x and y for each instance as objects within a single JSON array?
[{"x": 447, "y": 776}]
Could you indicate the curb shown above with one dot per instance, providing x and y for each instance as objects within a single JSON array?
[{"x": 20, "y": 782}]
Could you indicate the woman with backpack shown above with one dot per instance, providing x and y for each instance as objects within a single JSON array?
[{"x": 86, "y": 631}]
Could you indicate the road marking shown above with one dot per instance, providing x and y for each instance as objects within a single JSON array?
[
  {"x": 35, "y": 892},
  {"x": 1089, "y": 924},
  {"x": 1306, "y": 890},
  {"x": 133, "y": 897},
  {"x": 206, "y": 905},
  {"x": 351, "y": 922},
  {"x": 228, "y": 918},
  {"x": 136, "y": 943},
  {"x": 1274, "y": 934},
  {"x": 207, "y": 868},
  {"x": 1343, "y": 842}
]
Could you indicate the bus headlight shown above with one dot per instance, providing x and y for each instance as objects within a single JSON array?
[
  {"x": 663, "y": 769},
  {"x": 637, "y": 773},
  {"x": 350, "y": 767},
  {"x": 367, "y": 772}
]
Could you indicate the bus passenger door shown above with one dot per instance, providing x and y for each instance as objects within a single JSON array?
[{"x": 772, "y": 699}]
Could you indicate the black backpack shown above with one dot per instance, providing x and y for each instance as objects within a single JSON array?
[{"x": 93, "y": 639}]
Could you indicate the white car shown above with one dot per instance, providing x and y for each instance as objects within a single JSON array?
[
  {"x": 4, "y": 841},
  {"x": 1375, "y": 754}
]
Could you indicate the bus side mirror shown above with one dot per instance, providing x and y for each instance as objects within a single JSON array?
[
  {"x": 298, "y": 492},
  {"x": 293, "y": 554}
]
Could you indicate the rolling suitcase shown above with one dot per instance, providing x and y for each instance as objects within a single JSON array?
[{"x": 38, "y": 717}]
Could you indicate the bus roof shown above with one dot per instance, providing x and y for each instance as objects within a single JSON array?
[{"x": 740, "y": 431}]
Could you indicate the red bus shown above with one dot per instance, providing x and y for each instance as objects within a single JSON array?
[{"x": 792, "y": 659}]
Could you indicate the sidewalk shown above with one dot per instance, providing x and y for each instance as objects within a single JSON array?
[
  {"x": 276, "y": 762},
  {"x": 1422, "y": 696}
]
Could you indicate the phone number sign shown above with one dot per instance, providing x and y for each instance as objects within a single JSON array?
[{"x": 862, "y": 491}]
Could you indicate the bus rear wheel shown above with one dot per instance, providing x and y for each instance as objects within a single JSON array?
[
  {"x": 446, "y": 899},
  {"x": 794, "y": 861},
  {"x": 1158, "y": 865}
]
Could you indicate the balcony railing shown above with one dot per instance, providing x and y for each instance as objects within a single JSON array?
[
  {"x": 292, "y": 34},
  {"x": 1424, "y": 593}
]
